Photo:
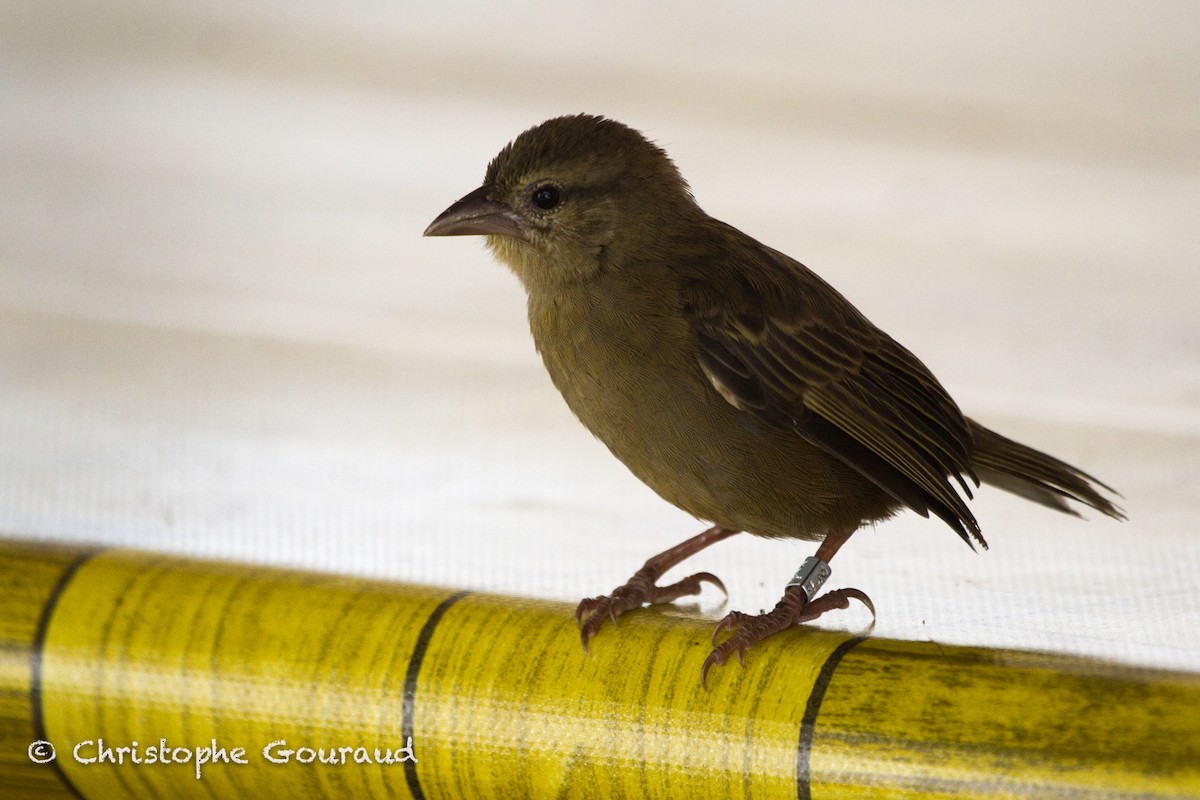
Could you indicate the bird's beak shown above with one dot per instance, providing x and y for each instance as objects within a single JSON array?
[{"x": 477, "y": 214}]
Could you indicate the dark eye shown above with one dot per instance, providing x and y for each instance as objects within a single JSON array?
[{"x": 546, "y": 196}]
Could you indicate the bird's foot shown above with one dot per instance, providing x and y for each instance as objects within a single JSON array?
[
  {"x": 792, "y": 609},
  {"x": 637, "y": 592}
]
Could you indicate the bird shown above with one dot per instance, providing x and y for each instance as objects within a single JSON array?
[{"x": 727, "y": 376}]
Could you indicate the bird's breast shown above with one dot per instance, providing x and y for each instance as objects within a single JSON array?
[{"x": 627, "y": 367}]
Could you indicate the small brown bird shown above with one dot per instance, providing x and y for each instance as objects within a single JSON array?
[{"x": 727, "y": 376}]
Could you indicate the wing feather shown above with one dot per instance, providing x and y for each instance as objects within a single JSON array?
[{"x": 776, "y": 341}]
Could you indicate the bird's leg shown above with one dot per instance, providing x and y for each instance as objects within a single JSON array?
[
  {"x": 799, "y": 604},
  {"x": 641, "y": 590}
]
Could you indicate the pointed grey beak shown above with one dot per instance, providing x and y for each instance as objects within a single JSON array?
[{"x": 477, "y": 214}]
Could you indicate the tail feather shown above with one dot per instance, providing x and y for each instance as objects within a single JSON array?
[{"x": 1036, "y": 476}]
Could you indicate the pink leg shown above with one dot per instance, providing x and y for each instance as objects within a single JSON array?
[
  {"x": 641, "y": 590},
  {"x": 792, "y": 609}
]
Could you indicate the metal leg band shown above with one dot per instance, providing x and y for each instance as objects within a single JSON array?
[{"x": 811, "y": 577}]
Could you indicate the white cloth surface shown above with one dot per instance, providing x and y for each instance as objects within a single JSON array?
[{"x": 221, "y": 333}]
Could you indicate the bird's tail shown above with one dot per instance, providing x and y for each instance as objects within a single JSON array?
[{"x": 1036, "y": 476}]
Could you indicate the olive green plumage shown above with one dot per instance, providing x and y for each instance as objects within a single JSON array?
[{"x": 727, "y": 376}]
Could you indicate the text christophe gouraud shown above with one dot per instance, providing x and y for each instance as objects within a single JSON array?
[{"x": 90, "y": 752}]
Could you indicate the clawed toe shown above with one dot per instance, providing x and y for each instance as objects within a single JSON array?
[
  {"x": 585, "y": 607},
  {"x": 749, "y": 629},
  {"x": 730, "y": 621},
  {"x": 837, "y": 599},
  {"x": 717, "y": 657},
  {"x": 639, "y": 591},
  {"x": 746, "y": 630}
]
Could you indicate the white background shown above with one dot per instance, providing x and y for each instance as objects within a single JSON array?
[{"x": 222, "y": 334}]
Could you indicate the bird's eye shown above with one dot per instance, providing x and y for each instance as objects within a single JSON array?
[{"x": 546, "y": 196}]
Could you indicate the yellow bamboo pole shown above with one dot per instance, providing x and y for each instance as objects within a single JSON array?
[{"x": 120, "y": 661}]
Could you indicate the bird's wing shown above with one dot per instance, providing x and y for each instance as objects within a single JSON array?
[{"x": 777, "y": 341}]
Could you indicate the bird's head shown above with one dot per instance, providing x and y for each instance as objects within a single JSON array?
[{"x": 568, "y": 196}]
